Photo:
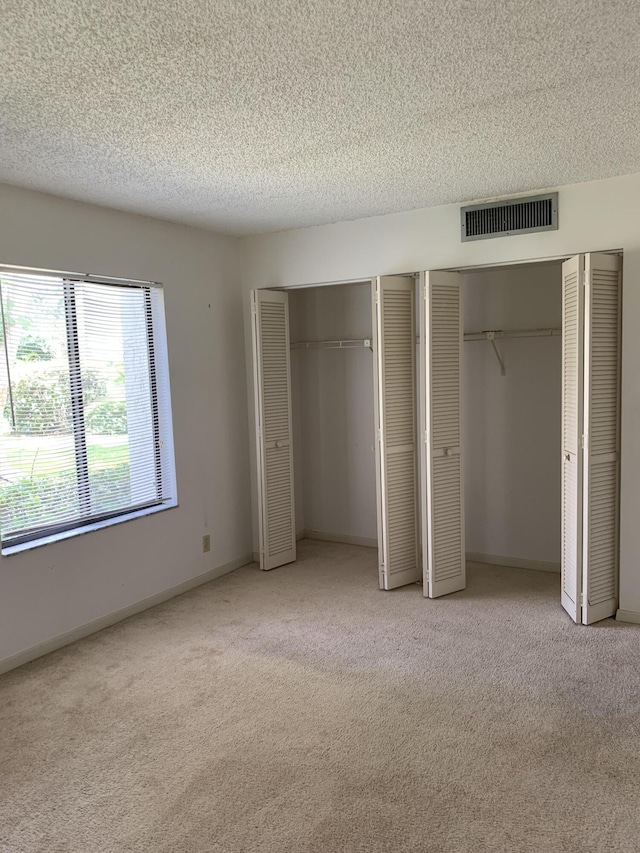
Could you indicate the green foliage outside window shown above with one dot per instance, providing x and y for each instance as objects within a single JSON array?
[
  {"x": 36, "y": 497},
  {"x": 108, "y": 417},
  {"x": 33, "y": 348},
  {"x": 42, "y": 404}
]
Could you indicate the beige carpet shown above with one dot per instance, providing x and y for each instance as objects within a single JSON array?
[{"x": 303, "y": 710}]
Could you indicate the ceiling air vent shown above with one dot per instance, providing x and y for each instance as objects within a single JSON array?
[{"x": 506, "y": 218}]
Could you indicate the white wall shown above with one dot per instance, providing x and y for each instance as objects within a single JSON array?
[
  {"x": 593, "y": 216},
  {"x": 56, "y": 588},
  {"x": 512, "y": 423},
  {"x": 333, "y": 415}
]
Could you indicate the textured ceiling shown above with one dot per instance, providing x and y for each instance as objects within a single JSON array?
[{"x": 259, "y": 115}]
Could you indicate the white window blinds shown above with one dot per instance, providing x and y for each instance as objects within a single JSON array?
[{"x": 84, "y": 410}]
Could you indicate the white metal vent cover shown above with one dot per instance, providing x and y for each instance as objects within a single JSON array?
[{"x": 506, "y": 218}]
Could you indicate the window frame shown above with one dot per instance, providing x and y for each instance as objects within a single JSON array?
[{"x": 162, "y": 416}]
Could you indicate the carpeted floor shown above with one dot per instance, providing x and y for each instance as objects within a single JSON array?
[{"x": 303, "y": 710}]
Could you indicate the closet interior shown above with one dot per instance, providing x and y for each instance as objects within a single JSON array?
[
  {"x": 512, "y": 405},
  {"x": 332, "y": 399}
]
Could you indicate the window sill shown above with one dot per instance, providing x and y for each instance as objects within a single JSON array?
[{"x": 88, "y": 528}]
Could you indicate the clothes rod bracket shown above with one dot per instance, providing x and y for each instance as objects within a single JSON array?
[
  {"x": 491, "y": 336},
  {"x": 494, "y": 334}
]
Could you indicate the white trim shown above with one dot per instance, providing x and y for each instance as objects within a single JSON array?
[
  {"x": 520, "y": 262},
  {"x": 342, "y": 538},
  {"x": 307, "y": 285},
  {"x": 512, "y": 562},
  {"x": 9, "y": 550},
  {"x": 96, "y": 625},
  {"x": 164, "y": 406},
  {"x": 12, "y": 269},
  {"x": 628, "y": 616}
]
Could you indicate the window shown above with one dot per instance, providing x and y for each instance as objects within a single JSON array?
[{"x": 85, "y": 419}]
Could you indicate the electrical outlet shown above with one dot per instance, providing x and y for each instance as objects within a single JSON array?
[{"x": 206, "y": 543}]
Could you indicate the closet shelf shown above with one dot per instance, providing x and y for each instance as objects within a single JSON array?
[{"x": 348, "y": 344}]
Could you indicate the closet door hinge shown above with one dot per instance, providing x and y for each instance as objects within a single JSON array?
[
  {"x": 379, "y": 436},
  {"x": 376, "y": 297}
]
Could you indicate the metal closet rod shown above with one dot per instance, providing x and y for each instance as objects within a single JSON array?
[
  {"x": 496, "y": 334},
  {"x": 492, "y": 334},
  {"x": 344, "y": 344},
  {"x": 487, "y": 335}
]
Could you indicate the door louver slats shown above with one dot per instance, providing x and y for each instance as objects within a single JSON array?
[
  {"x": 591, "y": 436},
  {"x": 602, "y": 427},
  {"x": 572, "y": 429},
  {"x": 274, "y": 428},
  {"x": 396, "y": 448},
  {"x": 443, "y": 498}
]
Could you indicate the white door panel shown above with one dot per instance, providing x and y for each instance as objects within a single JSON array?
[
  {"x": 602, "y": 436},
  {"x": 396, "y": 444},
  {"x": 572, "y": 431},
  {"x": 443, "y": 548},
  {"x": 591, "y": 436},
  {"x": 272, "y": 385}
]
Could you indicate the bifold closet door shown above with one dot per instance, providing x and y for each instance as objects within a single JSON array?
[
  {"x": 572, "y": 431},
  {"x": 396, "y": 445},
  {"x": 591, "y": 436},
  {"x": 441, "y": 336},
  {"x": 274, "y": 446}
]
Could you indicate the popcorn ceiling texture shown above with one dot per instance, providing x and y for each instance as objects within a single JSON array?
[{"x": 271, "y": 114}]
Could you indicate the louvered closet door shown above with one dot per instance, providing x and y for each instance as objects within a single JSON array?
[
  {"x": 602, "y": 436},
  {"x": 396, "y": 446},
  {"x": 443, "y": 551},
  {"x": 272, "y": 379},
  {"x": 572, "y": 431}
]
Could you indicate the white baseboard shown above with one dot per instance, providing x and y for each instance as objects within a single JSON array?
[
  {"x": 628, "y": 616},
  {"x": 513, "y": 562},
  {"x": 342, "y": 538},
  {"x": 82, "y": 631}
]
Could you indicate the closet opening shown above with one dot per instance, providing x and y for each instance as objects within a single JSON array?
[
  {"x": 336, "y": 392},
  {"x": 493, "y": 434},
  {"x": 512, "y": 415},
  {"x": 332, "y": 397},
  {"x": 521, "y": 415}
]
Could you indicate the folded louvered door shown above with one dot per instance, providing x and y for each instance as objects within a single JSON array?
[
  {"x": 272, "y": 387},
  {"x": 443, "y": 550},
  {"x": 572, "y": 432},
  {"x": 602, "y": 303},
  {"x": 394, "y": 335}
]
